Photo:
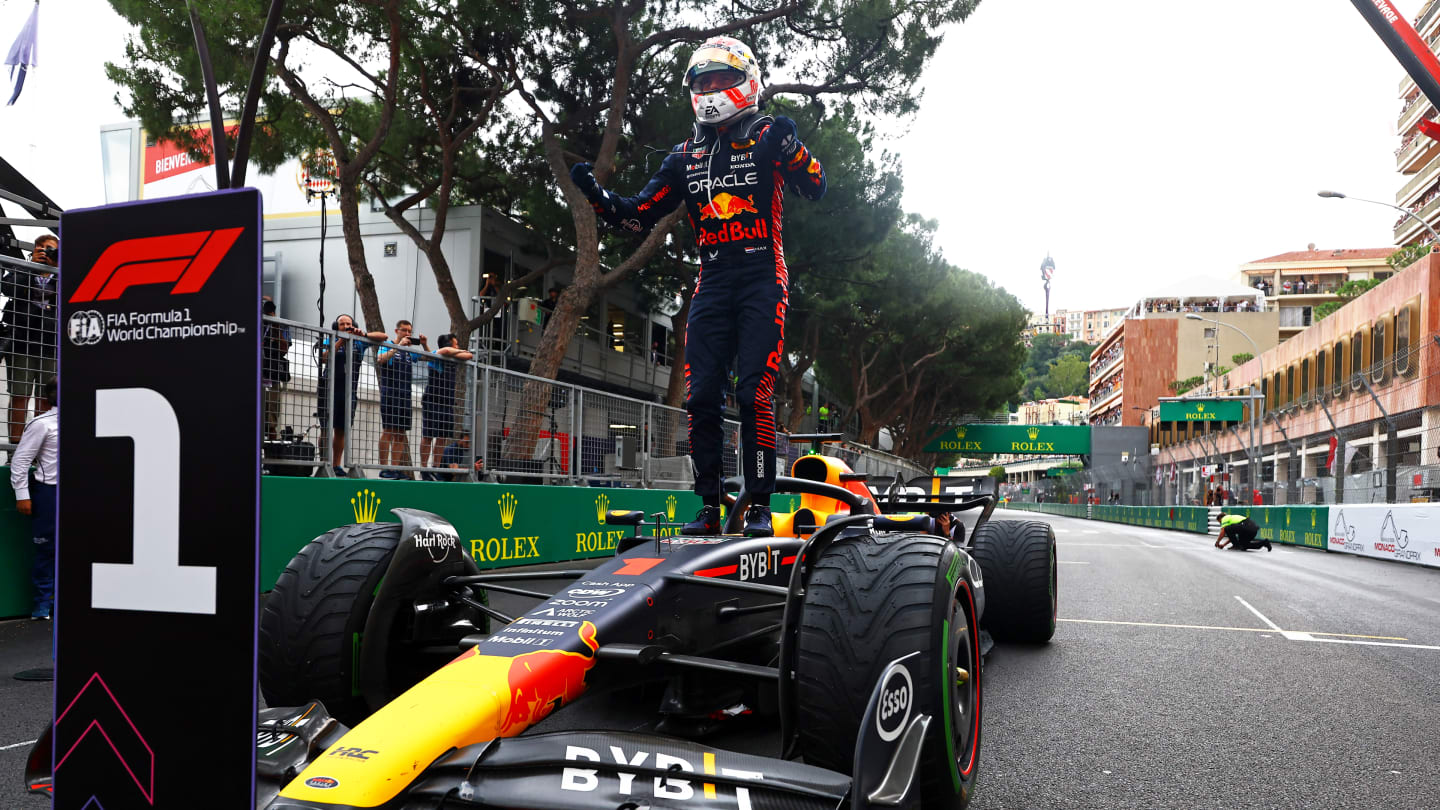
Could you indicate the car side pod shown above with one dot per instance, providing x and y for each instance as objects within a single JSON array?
[{"x": 887, "y": 754}]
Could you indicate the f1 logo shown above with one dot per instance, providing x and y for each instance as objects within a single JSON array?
[{"x": 187, "y": 259}]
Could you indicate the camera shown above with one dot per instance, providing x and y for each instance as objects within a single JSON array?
[{"x": 50, "y": 252}]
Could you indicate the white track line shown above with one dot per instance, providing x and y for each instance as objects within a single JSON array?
[
  {"x": 1071, "y": 562},
  {"x": 17, "y": 745},
  {"x": 1292, "y": 635},
  {"x": 1273, "y": 626}
]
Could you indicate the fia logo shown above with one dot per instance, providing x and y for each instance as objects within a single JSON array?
[
  {"x": 366, "y": 505},
  {"x": 86, "y": 328},
  {"x": 508, "y": 505}
]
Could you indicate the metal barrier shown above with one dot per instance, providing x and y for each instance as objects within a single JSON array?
[
  {"x": 412, "y": 413},
  {"x": 28, "y": 330}
]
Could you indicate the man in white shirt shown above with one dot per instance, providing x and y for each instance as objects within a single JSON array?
[{"x": 35, "y": 495}]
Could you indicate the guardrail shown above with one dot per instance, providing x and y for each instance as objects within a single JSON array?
[{"x": 1408, "y": 533}]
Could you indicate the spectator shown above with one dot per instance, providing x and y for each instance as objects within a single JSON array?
[
  {"x": 274, "y": 367},
  {"x": 548, "y": 305},
  {"x": 488, "y": 289},
  {"x": 825, "y": 418},
  {"x": 35, "y": 494},
  {"x": 30, "y": 312},
  {"x": 454, "y": 458},
  {"x": 340, "y": 408},
  {"x": 437, "y": 403},
  {"x": 396, "y": 371}
]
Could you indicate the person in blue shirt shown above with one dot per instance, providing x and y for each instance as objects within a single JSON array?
[
  {"x": 437, "y": 404},
  {"x": 339, "y": 408},
  {"x": 396, "y": 370}
]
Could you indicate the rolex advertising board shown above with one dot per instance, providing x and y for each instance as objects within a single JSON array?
[
  {"x": 500, "y": 525},
  {"x": 1057, "y": 440},
  {"x": 1202, "y": 410}
]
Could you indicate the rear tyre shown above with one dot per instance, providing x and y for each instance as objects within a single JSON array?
[
  {"x": 1017, "y": 561},
  {"x": 869, "y": 601},
  {"x": 312, "y": 624}
]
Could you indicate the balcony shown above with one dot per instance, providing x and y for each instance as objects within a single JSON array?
[
  {"x": 1418, "y": 108},
  {"x": 1407, "y": 229},
  {"x": 1415, "y": 153},
  {"x": 1417, "y": 184}
]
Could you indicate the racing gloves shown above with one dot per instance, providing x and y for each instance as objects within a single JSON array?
[
  {"x": 583, "y": 176},
  {"x": 781, "y": 136}
]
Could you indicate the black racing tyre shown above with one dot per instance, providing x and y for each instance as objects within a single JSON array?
[
  {"x": 310, "y": 629},
  {"x": 1017, "y": 562},
  {"x": 869, "y": 601}
]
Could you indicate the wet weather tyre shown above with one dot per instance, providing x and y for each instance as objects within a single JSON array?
[
  {"x": 869, "y": 601},
  {"x": 1018, "y": 567},
  {"x": 311, "y": 626}
]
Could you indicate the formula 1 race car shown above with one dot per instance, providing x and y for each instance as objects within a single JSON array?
[{"x": 856, "y": 631}]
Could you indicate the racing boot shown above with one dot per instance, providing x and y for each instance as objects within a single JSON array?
[
  {"x": 757, "y": 522},
  {"x": 707, "y": 521}
]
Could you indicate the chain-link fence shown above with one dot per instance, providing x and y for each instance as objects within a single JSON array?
[
  {"x": 28, "y": 331},
  {"x": 343, "y": 404}
]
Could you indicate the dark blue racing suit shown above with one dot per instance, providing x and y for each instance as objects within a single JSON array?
[{"x": 734, "y": 195}]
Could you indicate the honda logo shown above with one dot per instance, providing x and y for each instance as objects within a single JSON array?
[{"x": 185, "y": 259}]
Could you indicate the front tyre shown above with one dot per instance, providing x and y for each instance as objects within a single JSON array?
[
  {"x": 869, "y": 601},
  {"x": 1017, "y": 561}
]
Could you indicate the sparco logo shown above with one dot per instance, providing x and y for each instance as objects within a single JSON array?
[
  {"x": 436, "y": 543},
  {"x": 187, "y": 259},
  {"x": 86, "y": 327}
]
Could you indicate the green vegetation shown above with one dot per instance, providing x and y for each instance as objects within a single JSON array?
[
  {"x": 1056, "y": 366},
  {"x": 1181, "y": 386},
  {"x": 1241, "y": 358},
  {"x": 1406, "y": 256},
  {"x": 997, "y": 472},
  {"x": 1348, "y": 292}
]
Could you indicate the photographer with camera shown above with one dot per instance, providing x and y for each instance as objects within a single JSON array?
[
  {"x": 274, "y": 367},
  {"x": 343, "y": 358},
  {"x": 30, "y": 313},
  {"x": 396, "y": 370}
]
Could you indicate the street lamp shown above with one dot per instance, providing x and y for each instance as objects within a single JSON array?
[
  {"x": 1255, "y": 431},
  {"x": 1411, "y": 214}
]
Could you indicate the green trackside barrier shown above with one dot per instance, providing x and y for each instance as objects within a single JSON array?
[
  {"x": 1292, "y": 525},
  {"x": 499, "y": 524},
  {"x": 1177, "y": 518},
  {"x": 16, "y": 552}
]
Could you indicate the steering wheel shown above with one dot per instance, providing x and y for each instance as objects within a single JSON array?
[{"x": 735, "y": 518}]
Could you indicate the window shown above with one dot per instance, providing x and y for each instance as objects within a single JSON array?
[
  {"x": 1357, "y": 358},
  {"x": 1289, "y": 383},
  {"x": 1407, "y": 338},
  {"x": 1322, "y": 379},
  {"x": 1382, "y": 348},
  {"x": 1341, "y": 374},
  {"x": 1307, "y": 365}
]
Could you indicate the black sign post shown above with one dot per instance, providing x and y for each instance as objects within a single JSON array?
[{"x": 159, "y": 493}]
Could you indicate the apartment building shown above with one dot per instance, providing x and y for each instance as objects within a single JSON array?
[{"x": 1297, "y": 282}]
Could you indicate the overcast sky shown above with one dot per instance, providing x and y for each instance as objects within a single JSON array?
[{"x": 1135, "y": 142}]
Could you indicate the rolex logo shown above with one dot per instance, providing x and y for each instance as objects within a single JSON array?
[
  {"x": 602, "y": 504},
  {"x": 670, "y": 507},
  {"x": 1200, "y": 407},
  {"x": 1033, "y": 433},
  {"x": 507, "y": 510},
  {"x": 960, "y": 432},
  {"x": 366, "y": 505}
]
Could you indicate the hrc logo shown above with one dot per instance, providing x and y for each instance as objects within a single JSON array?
[
  {"x": 602, "y": 505},
  {"x": 366, "y": 505},
  {"x": 508, "y": 504}
]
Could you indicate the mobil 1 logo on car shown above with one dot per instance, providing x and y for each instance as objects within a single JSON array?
[{"x": 159, "y": 489}]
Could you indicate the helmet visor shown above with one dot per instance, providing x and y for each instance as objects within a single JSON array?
[{"x": 713, "y": 78}]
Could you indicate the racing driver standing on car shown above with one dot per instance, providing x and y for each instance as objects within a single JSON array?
[{"x": 731, "y": 176}]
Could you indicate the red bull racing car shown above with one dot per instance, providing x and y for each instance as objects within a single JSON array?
[{"x": 855, "y": 633}]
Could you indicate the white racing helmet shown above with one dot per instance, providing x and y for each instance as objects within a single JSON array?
[{"x": 723, "y": 80}]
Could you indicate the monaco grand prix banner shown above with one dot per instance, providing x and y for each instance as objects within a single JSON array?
[
  {"x": 159, "y": 483},
  {"x": 1404, "y": 532}
]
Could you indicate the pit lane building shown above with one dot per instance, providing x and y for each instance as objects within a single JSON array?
[{"x": 1351, "y": 408}]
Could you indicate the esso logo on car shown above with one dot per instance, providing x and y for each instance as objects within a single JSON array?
[
  {"x": 893, "y": 713},
  {"x": 892, "y": 703},
  {"x": 596, "y": 593}
]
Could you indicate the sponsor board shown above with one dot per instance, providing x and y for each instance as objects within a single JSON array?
[{"x": 1401, "y": 532}]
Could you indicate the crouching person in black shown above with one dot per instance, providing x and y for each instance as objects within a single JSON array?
[{"x": 1239, "y": 532}]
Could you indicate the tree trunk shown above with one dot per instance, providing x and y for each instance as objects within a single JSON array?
[
  {"x": 355, "y": 251},
  {"x": 675, "y": 392}
]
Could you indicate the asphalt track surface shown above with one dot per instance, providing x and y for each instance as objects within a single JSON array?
[{"x": 1179, "y": 676}]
